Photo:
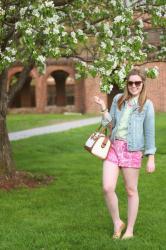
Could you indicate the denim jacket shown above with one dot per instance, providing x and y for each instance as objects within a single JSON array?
[{"x": 141, "y": 126}]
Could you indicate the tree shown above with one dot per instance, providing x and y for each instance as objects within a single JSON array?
[{"x": 104, "y": 39}]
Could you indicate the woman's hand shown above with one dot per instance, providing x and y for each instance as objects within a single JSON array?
[
  {"x": 150, "y": 168},
  {"x": 100, "y": 102}
]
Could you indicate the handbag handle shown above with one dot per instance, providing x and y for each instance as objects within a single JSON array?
[{"x": 104, "y": 129}]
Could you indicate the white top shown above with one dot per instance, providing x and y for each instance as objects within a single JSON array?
[{"x": 123, "y": 125}]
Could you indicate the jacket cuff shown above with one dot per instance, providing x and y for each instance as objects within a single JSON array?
[
  {"x": 106, "y": 121},
  {"x": 151, "y": 151}
]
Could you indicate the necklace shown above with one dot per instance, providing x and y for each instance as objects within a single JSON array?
[{"x": 132, "y": 102}]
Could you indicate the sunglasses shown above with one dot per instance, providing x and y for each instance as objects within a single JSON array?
[{"x": 137, "y": 83}]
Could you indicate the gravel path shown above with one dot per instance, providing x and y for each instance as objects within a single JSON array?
[{"x": 14, "y": 136}]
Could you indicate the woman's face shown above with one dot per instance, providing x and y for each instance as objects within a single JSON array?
[{"x": 135, "y": 85}]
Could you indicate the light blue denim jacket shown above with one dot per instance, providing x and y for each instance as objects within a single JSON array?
[{"x": 141, "y": 126}]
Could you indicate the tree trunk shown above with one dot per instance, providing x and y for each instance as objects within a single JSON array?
[{"x": 7, "y": 166}]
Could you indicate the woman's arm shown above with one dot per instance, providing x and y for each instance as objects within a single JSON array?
[
  {"x": 149, "y": 132},
  {"x": 107, "y": 116},
  {"x": 150, "y": 167}
]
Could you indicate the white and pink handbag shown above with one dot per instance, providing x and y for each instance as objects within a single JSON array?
[{"x": 99, "y": 143}]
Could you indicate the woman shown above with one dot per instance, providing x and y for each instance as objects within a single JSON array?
[{"x": 133, "y": 134}]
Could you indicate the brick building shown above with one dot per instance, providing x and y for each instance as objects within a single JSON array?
[{"x": 57, "y": 90}]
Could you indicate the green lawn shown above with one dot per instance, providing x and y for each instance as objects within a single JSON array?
[
  {"x": 71, "y": 213},
  {"x": 17, "y": 122}
]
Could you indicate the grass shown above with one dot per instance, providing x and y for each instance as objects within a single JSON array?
[
  {"x": 71, "y": 213},
  {"x": 27, "y": 121}
]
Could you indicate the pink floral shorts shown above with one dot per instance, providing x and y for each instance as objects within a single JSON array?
[{"x": 120, "y": 156}]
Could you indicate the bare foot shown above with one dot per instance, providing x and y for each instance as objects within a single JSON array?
[
  {"x": 127, "y": 235},
  {"x": 118, "y": 228}
]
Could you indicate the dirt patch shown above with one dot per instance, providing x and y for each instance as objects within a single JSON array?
[{"x": 24, "y": 179}]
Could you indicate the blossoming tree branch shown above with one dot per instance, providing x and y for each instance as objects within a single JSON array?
[{"x": 105, "y": 38}]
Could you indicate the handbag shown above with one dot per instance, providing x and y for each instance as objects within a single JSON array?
[{"x": 99, "y": 143}]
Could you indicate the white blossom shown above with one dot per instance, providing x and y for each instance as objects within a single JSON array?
[
  {"x": 49, "y": 4},
  {"x": 64, "y": 33},
  {"x": 41, "y": 59},
  {"x": 163, "y": 49},
  {"x": 141, "y": 53},
  {"x": 11, "y": 50},
  {"x": 103, "y": 45},
  {"x": 96, "y": 10},
  {"x": 131, "y": 40},
  {"x": 36, "y": 13},
  {"x": 113, "y": 59},
  {"x": 46, "y": 31},
  {"x": 108, "y": 72},
  {"x": 122, "y": 28},
  {"x": 110, "y": 58},
  {"x": 55, "y": 30},
  {"x": 124, "y": 40},
  {"x": 109, "y": 33},
  {"x": 6, "y": 58},
  {"x": 110, "y": 88},
  {"x": 84, "y": 64},
  {"x": 106, "y": 27},
  {"x": 111, "y": 42},
  {"x": 73, "y": 34},
  {"x": 80, "y": 32},
  {"x": 87, "y": 24},
  {"x": 75, "y": 40},
  {"x": 128, "y": 31},
  {"x": 2, "y": 12},
  {"x": 140, "y": 23},
  {"x": 56, "y": 51},
  {"x": 9, "y": 59},
  {"x": 18, "y": 25},
  {"x": 12, "y": 7},
  {"x": 91, "y": 67},
  {"x": 113, "y": 2},
  {"x": 77, "y": 76},
  {"x": 115, "y": 64},
  {"x": 118, "y": 19},
  {"x": 138, "y": 38},
  {"x": 153, "y": 72},
  {"x": 156, "y": 71},
  {"x": 124, "y": 49},
  {"x": 78, "y": 13},
  {"x": 104, "y": 88},
  {"x": 29, "y": 31},
  {"x": 158, "y": 13},
  {"x": 122, "y": 74},
  {"x": 51, "y": 20},
  {"x": 102, "y": 70},
  {"x": 23, "y": 11}
]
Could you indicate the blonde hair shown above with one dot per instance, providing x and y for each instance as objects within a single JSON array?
[{"x": 143, "y": 95}]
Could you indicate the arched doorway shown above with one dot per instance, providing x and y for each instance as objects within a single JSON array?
[
  {"x": 26, "y": 96},
  {"x": 60, "y": 89}
]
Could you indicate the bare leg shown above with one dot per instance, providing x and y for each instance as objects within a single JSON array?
[
  {"x": 130, "y": 176},
  {"x": 110, "y": 177}
]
